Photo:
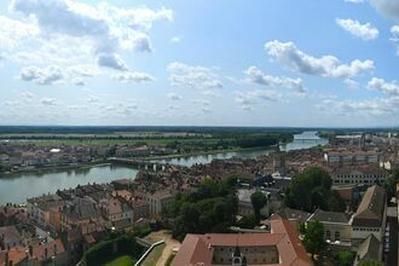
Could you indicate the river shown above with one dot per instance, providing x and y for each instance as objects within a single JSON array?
[{"x": 16, "y": 188}]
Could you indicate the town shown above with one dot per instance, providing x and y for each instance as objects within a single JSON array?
[{"x": 326, "y": 205}]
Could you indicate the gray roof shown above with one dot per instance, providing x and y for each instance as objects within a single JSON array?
[
  {"x": 327, "y": 216},
  {"x": 371, "y": 210},
  {"x": 292, "y": 214},
  {"x": 369, "y": 249}
]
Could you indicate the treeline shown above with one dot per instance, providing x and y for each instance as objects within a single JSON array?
[{"x": 212, "y": 208}]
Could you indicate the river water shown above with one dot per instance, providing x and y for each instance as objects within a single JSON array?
[{"x": 16, "y": 188}]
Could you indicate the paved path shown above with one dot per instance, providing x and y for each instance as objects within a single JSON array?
[{"x": 170, "y": 244}]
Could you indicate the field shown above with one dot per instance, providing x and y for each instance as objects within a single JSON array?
[
  {"x": 121, "y": 261},
  {"x": 154, "y": 256}
]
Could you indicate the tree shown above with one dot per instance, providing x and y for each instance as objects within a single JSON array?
[
  {"x": 309, "y": 190},
  {"x": 345, "y": 258},
  {"x": 390, "y": 184},
  {"x": 314, "y": 238},
  {"x": 248, "y": 222},
  {"x": 370, "y": 263},
  {"x": 258, "y": 200},
  {"x": 336, "y": 203}
]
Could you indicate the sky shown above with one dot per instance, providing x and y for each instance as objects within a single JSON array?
[{"x": 307, "y": 63}]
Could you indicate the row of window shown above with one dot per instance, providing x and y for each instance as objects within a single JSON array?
[{"x": 366, "y": 229}]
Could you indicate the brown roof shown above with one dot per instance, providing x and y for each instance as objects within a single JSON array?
[
  {"x": 371, "y": 209},
  {"x": 53, "y": 248},
  {"x": 16, "y": 255},
  {"x": 197, "y": 249}
]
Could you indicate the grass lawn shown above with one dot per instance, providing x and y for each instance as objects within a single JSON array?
[
  {"x": 153, "y": 257},
  {"x": 121, "y": 261}
]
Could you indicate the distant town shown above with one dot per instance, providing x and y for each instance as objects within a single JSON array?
[{"x": 326, "y": 197}]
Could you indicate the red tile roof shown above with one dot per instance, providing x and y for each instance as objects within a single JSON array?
[{"x": 198, "y": 249}]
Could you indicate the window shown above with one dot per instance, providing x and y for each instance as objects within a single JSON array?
[
  {"x": 337, "y": 235},
  {"x": 328, "y": 234}
]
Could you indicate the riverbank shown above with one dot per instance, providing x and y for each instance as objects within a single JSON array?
[
  {"x": 204, "y": 153},
  {"x": 58, "y": 168}
]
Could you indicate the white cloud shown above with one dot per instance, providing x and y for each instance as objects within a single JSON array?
[
  {"x": 288, "y": 55},
  {"x": 174, "y": 96},
  {"x": 198, "y": 77},
  {"x": 381, "y": 85},
  {"x": 250, "y": 98},
  {"x": 78, "y": 82},
  {"x": 365, "y": 108},
  {"x": 351, "y": 84},
  {"x": 111, "y": 60},
  {"x": 176, "y": 39},
  {"x": 395, "y": 36},
  {"x": 354, "y": 1},
  {"x": 48, "y": 101},
  {"x": 365, "y": 31},
  {"x": 133, "y": 76},
  {"x": 42, "y": 76},
  {"x": 92, "y": 31},
  {"x": 388, "y": 8},
  {"x": 257, "y": 76}
]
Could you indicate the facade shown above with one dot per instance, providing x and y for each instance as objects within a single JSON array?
[
  {"x": 370, "y": 217},
  {"x": 337, "y": 229},
  {"x": 364, "y": 175},
  {"x": 157, "y": 201},
  {"x": 39, "y": 209},
  {"x": 342, "y": 158},
  {"x": 281, "y": 246}
]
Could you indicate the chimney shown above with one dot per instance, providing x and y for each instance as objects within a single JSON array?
[
  {"x": 30, "y": 251},
  {"x": 6, "y": 259}
]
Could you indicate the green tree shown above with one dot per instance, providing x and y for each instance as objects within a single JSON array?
[
  {"x": 336, "y": 203},
  {"x": 390, "y": 184},
  {"x": 314, "y": 238},
  {"x": 309, "y": 190},
  {"x": 370, "y": 263},
  {"x": 258, "y": 200},
  {"x": 345, "y": 258},
  {"x": 248, "y": 222}
]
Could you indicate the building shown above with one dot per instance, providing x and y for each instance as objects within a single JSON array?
[
  {"x": 39, "y": 209},
  {"x": 360, "y": 175},
  {"x": 369, "y": 249},
  {"x": 337, "y": 229},
  {"x": 346, "y": 157},
  {"x": 370, "y": 217},
  {"x": 281, "y": 246},
  {"x": 157, "y": 201}
]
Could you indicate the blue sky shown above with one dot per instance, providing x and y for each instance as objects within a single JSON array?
[{"x": 222, "y": 63}]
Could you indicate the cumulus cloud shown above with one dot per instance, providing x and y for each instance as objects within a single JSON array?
[
  {"x": 111, "y": 60},
  {"x": 366, "y": 107},
  {"x": 381, "y": 85},
  {"x": 176, "y": 39},
  {"x": 288, "y": 55},
  {"x": 174, "y": 96},
  {"x": 395, "y": 36},
  {"x": 365, "y": 31},
  {"x": 100, "y": 31},
  {"x": 78, "y": 82},
  {"x": 133, "y": 76},
  {"x": 257, "y": 76},
  {"x": 48, "y": 101},
  {"x": 42, "y": 76},
  {"x": 389, "y": 8},
  {"x": 198, "y": 77},
  {"x": 354, "y": 1},
  {"x": 250, "y": 98}
]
